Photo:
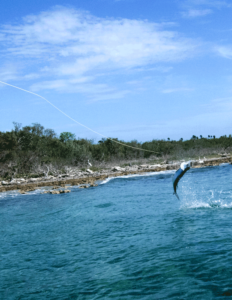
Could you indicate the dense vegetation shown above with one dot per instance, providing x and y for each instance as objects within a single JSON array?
[{"x": 31, "y": 149}]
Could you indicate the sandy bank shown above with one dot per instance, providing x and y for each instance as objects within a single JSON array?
[{"x": 90, "y": 179}]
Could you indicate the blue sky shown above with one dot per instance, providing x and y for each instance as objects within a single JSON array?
[{"x": 130, "y": 69}]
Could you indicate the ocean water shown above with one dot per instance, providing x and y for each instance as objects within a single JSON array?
[{"x": 128, "y": 238}]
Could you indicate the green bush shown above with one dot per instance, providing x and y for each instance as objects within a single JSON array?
[{"x": 24, "y": 148}]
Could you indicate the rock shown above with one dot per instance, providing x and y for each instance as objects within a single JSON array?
[
  {"x": 58, "y": 192},
  {"x": 78, "y": 174},
  {"x": 197, "y": 166},
  {"x": 28, "y": 189},
  {"x": 46, "y": 192},
  {"x": 154, "y": 166},
  {"x": 117, "y": 169},
  {"x": 5, "y": 183},
  {"x": 47, "y": 178},
  {"x": 143, "y": 166},
  {"x": 54, "y": 192},
  {"x": 89, "y": 171},
  {"x": 64, "y": 191},
  {"x": 55, "y": 187},
  {"x": 33, "y": 180},
  {"x": 22, "y": 192},
  {"x": 84, "y": 186},
  {"x": 127, "y": 169},
  {"x": 167, "y": 167},
  {"x": 17, "y": 181},
  {"x": 21, "y": 179},
  {"x": 93, "y": 184},
  {"x": 224, "y": 154},
  {"x": 63, "y": 176}
]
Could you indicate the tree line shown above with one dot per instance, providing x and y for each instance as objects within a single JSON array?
[{"x": 28, "y": 149}]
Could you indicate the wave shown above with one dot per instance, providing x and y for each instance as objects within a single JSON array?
[
  {"x": 214, "y": 200},
  {"x": 11, "y": 194},
  {"x": 202, "y": 204},
  {"x": 16, "y": 193}
]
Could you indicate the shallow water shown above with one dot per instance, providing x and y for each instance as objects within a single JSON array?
[{"x": 128, "y": 238}]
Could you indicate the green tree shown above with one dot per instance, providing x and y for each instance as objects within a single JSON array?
[
  {"x": 67, "y": 136},
  {"x": 194, "y": 137},
  {"x": 17, "y": 126}
]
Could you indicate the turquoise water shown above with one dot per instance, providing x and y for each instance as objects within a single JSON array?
[{"x": 128, "y": 238}]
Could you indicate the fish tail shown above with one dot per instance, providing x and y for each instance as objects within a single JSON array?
[{"x": 176, "y": 195}]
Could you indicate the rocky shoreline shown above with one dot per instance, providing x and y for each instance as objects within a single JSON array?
[{"x": 89, "y": 178}]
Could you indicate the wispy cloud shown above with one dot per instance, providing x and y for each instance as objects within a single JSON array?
[
  {"x": 221, "y": 105},
  {"x": 70, "y": 48},
  {"x": 193, "y": 13},
  {"x": 201, "y": 8},
  {"x": 176, "y": 90},
  {"x": 209, "y": 3},
  {"x": 8, "y": 72},
  {"x": 224, "y": 51}
]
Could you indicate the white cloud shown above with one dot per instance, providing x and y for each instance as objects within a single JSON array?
[
  {"x": 221, "y": 105},
  {"x": 224, "y": 51},
  {"x": 193, "y": 13},
  {"x": 201, "y": 8},
  {"x": 209, "y": 3},
  {"x": 176, "y": 90},
  {"x": 70, "y": 33},
  {"x": 70, "y": 48},
  {"x": 8, "y": 72},
  {"x": 72, "y": 86}
]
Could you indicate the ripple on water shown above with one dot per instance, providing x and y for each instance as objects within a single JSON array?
[{"x": 128, "y": 239}]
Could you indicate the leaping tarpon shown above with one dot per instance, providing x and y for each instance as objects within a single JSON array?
[{"x": 184, "y": 167}]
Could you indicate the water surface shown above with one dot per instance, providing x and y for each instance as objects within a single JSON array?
[{"x": 129, "y": 238}]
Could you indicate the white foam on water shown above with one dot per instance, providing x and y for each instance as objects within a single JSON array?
[
  {"x": 11, "y": 194},
  {"x": 195, "y": 204},
  {"x": 138, "y": 175},
  {"x": 213, "y": 200},
  {"x": 201, "y": 204},
  {"x": 15, "y": 193},
  {"x": 107, "y": 180},
  {"x": 36, "y": 192}
]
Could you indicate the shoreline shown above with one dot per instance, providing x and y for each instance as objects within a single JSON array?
[{"x": 90, "y": 179}]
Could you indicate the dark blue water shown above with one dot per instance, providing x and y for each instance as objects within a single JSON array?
[{"x": 129, "y": 238}]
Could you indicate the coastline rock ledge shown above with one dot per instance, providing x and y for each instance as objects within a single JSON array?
[{"x": 89, "y": 178}]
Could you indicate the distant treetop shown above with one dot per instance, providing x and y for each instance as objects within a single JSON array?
[{"x": 67, "y": 136}]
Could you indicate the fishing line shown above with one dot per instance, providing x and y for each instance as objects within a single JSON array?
[{"x": 16, "y": 87}]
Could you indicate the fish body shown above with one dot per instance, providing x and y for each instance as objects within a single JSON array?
[{"x": 184, "y": 167}]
